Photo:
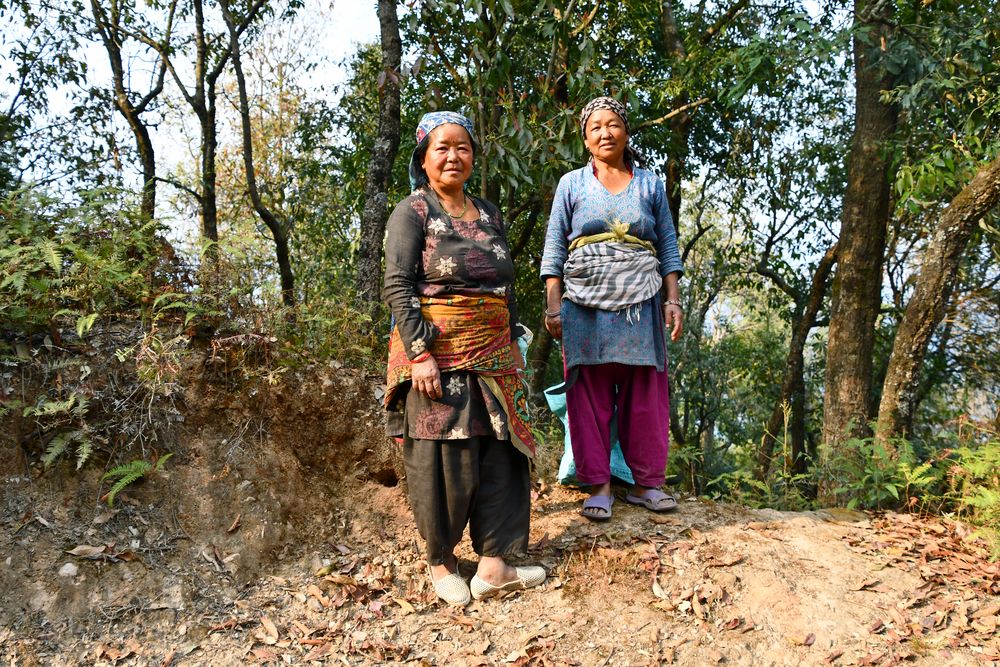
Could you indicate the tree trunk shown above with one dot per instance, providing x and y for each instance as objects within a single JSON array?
[
  {"x": 278, "y": 229},
  {"x": 209, "y": 145},
  {"x": 368, "y": 272},
  {"x": 861, "y": 248},
  {"x": 108, "y": 26},
  {"x": 680, "y": 125},
  {"x": 539, "y": 355},
  {"x": 925, "y": 309},
  {"x": 793, "y": 387}
]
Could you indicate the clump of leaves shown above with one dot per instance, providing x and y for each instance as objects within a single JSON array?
[
  {"x": 73, "y": 409},
  {"x": 81, "y": 261},
  {"x": 131, "y": 472},
  {"x": 973, "y": 478},
  {"x": 873, "y": 476}
]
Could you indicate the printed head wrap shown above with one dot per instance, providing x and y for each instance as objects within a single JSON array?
[
  {"x": 632, "y": 157},
  {"x": 428, "y": 123},
  {"x": 599, "y": 103}
]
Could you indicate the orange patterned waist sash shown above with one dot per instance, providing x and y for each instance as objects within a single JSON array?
[{"x": 473, "y": 335}]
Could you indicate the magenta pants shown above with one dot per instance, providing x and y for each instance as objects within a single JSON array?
[{"x": 640, "y": 397}]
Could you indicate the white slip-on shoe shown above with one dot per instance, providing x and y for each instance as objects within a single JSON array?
[
  {"x": 453, "y": 590},
  {"x": 527, "y": 577}
]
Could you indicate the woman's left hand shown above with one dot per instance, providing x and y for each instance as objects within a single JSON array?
[{"x": 674, "y": 317}]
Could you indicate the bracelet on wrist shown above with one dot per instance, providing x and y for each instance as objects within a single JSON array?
[
  {"x": 550, "y": 316},
  {"x": 423, "y": 356},
  {"x": 672, "y": 302},
  {"x": 555, "y": 314}
]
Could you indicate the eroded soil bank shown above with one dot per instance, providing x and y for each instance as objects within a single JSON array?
[{"x": 280, "y": 533}]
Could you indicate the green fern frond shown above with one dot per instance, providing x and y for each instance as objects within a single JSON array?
[
  {"x": 122, "y": 483},
  {"x": 130, "y": 472},
  {"x": 50, "y": 253},
  {"x": 57, "y": 446},
  {"x": 160, "y": 461},
  {"x": 137, "y": 467},
  {"x": 8, "y": 407},
  {"x": 83, "y": 450},
  {"x": 16, "y": 279},
  {"x": 46, "y": 407}
]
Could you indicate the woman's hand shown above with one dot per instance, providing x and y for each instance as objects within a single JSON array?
[
  {"x": 426, "y": 378},
  {"x": 553, "y": 304},
  {"x": 554, "y": 326},
  {"x": 674, "y": 318}
]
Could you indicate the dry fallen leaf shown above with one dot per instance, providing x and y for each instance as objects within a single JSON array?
[
  {"x": 866, "y": 584},
  {"x": 270, "y": 629},
  {"x": 809, "y": 640},
  {"x": 318, "y": 651},
  {"x": 341, "y": 580},
  {"x": 725, "y": 561},
  {"x": 405, "y": 606},
  {"x": 732, "y": 623},
  {"x": 87, "y": 551},
  {"x": 990, "y": 610}
]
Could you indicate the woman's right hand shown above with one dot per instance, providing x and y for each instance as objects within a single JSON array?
[
  {"x": 554, "y": 326},
  {"x": 426, "y": 378}
]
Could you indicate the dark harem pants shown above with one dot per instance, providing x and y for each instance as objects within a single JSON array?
[{"x": 482, "y": 482}]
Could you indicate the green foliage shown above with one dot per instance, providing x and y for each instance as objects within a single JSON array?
[
  {"x": 871, "y": 476},
  {"x": 63, "y": 421},
  {"x": 973, "y": 485},
  {"x": 82, "y": 261},
  {"x": 131, "y": 472}
]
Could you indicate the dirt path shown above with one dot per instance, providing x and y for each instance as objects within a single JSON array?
[{"x": 705, "y": 585}]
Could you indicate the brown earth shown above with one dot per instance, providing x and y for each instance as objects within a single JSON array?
[{"x": 280, "y": 533}]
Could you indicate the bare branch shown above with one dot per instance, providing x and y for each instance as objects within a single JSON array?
[{"x": 675, "y": 112}]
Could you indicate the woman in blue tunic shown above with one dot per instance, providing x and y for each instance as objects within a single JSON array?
[{"x": 611, "y": 270}]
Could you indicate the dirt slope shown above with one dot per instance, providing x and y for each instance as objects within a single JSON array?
[{"x": 279, "y": 534}]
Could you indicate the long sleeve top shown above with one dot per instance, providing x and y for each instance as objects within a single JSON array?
[
  {"x": 582, "y": 206},
  {"x": 430, "y": 254}
]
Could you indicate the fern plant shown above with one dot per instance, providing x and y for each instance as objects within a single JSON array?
[
  {"x": 67, "y": 418},
  {"x": 131, "y": 472}
]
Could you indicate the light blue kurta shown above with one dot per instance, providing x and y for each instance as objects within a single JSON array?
[{"x": 582, "y": 206}]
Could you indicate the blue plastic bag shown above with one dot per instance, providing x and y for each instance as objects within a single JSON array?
[{"x": 556, "y": 398}]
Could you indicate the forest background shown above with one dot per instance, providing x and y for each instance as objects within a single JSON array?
[{"x": 832, "y": 169}]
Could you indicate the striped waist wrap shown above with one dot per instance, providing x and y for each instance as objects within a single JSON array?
[{"x": 611, "y": 271}]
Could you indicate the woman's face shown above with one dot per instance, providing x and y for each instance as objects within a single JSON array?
[
  {"x": 605, "y": 136},
  {"x": 448, "y": 161}
]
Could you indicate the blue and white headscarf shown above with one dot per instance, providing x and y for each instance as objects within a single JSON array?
[{"x": 427, "y": 124}]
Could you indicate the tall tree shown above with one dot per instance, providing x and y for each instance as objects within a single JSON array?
[
  {"x": 210, "y": 53},
  {"x": 278, "y": 228},
  {"x": 857, "y": 283},
  {"x": 368, "y": 271},
  {"x": 114, "y": 26},
  {"x": 925, "y": 309}
]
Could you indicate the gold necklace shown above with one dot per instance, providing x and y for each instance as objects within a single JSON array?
[{"x": 465, "y": 207}]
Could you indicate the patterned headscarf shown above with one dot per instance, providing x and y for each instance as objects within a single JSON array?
[
  {"x": 428, "y": 123},
  {"x": 599, "y": 103},
  {"x": 632, "y": 157}
]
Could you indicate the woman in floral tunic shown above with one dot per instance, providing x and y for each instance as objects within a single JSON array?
[
  {"x": 611, "y": 271},
  {"x": 454, "y": 396}
]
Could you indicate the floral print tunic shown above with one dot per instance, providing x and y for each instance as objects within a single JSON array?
[{"x": 430, "y": 254}]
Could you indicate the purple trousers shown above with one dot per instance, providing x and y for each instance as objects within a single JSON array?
[{"x": 639, "y": 395}]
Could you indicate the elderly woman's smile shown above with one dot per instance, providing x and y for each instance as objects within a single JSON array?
[{"x": 448, "y": 162}]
